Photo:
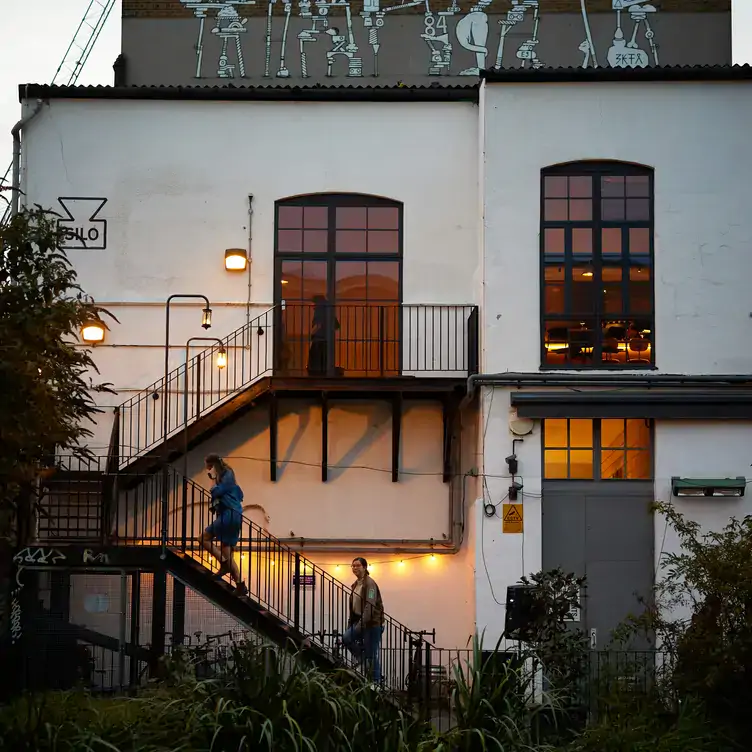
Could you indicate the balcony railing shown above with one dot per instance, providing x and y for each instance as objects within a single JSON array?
[
  {"x": 304, "y": 340},
  {"x": 377, "y": 340}
]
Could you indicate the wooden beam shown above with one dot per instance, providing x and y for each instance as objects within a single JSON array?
[
  {"x": 273, "y": 428},
  {"x": 324, "y": 437},
  {"x": 396, "y": 431}
]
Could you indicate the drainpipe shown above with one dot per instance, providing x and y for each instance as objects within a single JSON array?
[{"x": 16, "y": 133}]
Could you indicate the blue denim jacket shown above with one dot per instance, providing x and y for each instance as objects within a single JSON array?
[{"x": 227, "y": 494}]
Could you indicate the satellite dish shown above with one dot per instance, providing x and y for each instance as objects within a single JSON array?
[{"x": 520, "y": 426}]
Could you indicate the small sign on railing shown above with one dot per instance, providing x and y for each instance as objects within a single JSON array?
[{"x": 304, "y": 580}]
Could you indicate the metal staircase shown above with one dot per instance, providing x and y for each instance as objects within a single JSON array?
[
  {"x": 155, "y": 524},
  {"x": 197, "y": 397}
]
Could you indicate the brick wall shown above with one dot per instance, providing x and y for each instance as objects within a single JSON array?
[{"x": 175, "y": 9}]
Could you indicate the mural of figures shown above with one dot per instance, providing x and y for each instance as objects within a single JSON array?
[
  {"x": 229, "y": 27},
  {"x": 321, "y": 41}
]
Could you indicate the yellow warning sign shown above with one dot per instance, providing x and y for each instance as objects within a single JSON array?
[{"x": 512, "y": 518}]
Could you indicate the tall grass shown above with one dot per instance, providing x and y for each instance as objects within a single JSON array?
[{"x": 270, "y": 700}]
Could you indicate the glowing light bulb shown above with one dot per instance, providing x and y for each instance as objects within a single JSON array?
[
  {"x": 271, "y": 563},
  {"x": 402, "y": 563}
]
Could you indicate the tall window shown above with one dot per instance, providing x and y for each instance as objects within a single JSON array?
[
  {"x": 600, "y": 449},
  {"x": 597, "y": 265},
  {"x": 338, "y": 274}
]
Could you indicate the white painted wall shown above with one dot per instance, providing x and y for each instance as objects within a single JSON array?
[
  {"x": 700, "y": 449},
  {"x": 502, "y": 558},
  {"x": 177, "y": 176},
  {"x": 695, "y": 136}
]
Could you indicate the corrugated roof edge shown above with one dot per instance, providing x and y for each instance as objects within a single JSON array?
[
  {"x": 402, "y": 93},
  {"x": 708, "y": 73}
]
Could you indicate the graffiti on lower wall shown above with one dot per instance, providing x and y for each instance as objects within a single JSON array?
[{"x": 336, "y": 36}]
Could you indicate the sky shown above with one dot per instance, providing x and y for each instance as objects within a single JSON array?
[{"x": 35, "y": 34}]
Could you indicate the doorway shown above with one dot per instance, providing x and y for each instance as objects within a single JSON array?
[
  {"x": 597, "y": 523},
  {"x": 338, "y": 285}
]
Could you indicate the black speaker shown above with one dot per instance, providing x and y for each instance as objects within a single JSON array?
[{"x": 521, "y": 611}]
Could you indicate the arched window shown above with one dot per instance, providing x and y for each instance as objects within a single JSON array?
[
  {"x": 338, "y": 279},
  {"x": 597, "y": 289}
]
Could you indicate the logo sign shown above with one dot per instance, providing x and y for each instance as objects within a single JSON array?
[
  {"x": 304, "y": 580},
  {"x": 512, "y": 521},
  {"x": 82, "y": 229}
]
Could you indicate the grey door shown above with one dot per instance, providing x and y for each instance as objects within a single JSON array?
[{"x": 602, "y": 530}]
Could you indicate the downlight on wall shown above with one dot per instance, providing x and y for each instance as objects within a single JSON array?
[
  {"x": 708, "y": 487},
  {"x": 236, "y": 259}
]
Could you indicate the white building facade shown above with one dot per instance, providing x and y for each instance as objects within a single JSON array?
[
  {"x": 614, "y": 309},
  {"x": 592, "y": 222}
]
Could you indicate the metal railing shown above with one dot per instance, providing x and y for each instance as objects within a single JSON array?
[
  {"x": 377, "y": 340},
  {"x": 359, "y": 340},
  {"x": 301, "y": 595},
  {"x": 196, "y": 387}
]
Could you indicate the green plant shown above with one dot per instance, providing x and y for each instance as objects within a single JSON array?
[
  {"x": 46, "y": 397},
  {"x": 702, "y": 620},
  {"x": 555, "y": 643}
]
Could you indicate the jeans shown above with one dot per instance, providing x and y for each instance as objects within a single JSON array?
[{"x": 365, "y": 644}]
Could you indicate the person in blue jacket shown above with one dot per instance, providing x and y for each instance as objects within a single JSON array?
[{"x": 227, "y": 505}]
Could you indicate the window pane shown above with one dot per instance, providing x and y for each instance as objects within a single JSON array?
[
  {"x": 316, "y": 217},
  {"x": 638, "y": 433},
  {"x": 639, "y": 465},
  {"x": 555, "y": 431},
  {"x": 569, "y": 342},
  {"x": 582, "y": 242},
  {"x": 638, "y": 186},
  {"x": 553, "y": 241},
  {"x": 639, "y": 241},
  {"x": 554, "y": 289},
  {"x": 612, "y": 297},
  {"x": 556, "y": 210},
  {"x": 640, "y": 290},
  {"x": 351, "y": 218},
  {"x": 383, "y": 241},
  {"x": 580, "y": 210},
  {"x": 583, "y": 287},
  {"x": 612, "y": 186},
  {"x": 350, "y": 281},
  {"x": 612, "y": 209},
  {"x": 611, "y": 241},
  {"x": 581, "y": 433},
  {"x": 580, "y": 186},
  {"x": 612, "y": 464},
  {"x": 291, "y": 280},
  {"x": 383, "y": 218},
  {"x": 351, "y": 241},
  {"x": 638, "y": 209},
  {"x": 383, "y": 281},
  {"x": 290, "y": 241},
  {"x": 581, "y": 464},
  {"x": 555, "y": 463},
  {"x": 314, "y": 241},
  {"x": 612, "y": 433},
  {"x": 555, "y": 186},
  {"x": 290, "y": 217}
]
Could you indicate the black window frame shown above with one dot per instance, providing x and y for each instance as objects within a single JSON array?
[
  {"x": 597, "y": 450},
  {"x": 333, "y": 201},
  {"x": 597, "y": 170}
]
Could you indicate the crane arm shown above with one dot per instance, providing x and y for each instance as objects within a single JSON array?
[{"x": 74, "y": 60}]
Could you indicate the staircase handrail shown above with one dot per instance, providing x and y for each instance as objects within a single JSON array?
[
  {"x": 254, "y": 539},
  {"x": 235, "y": 380}
]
